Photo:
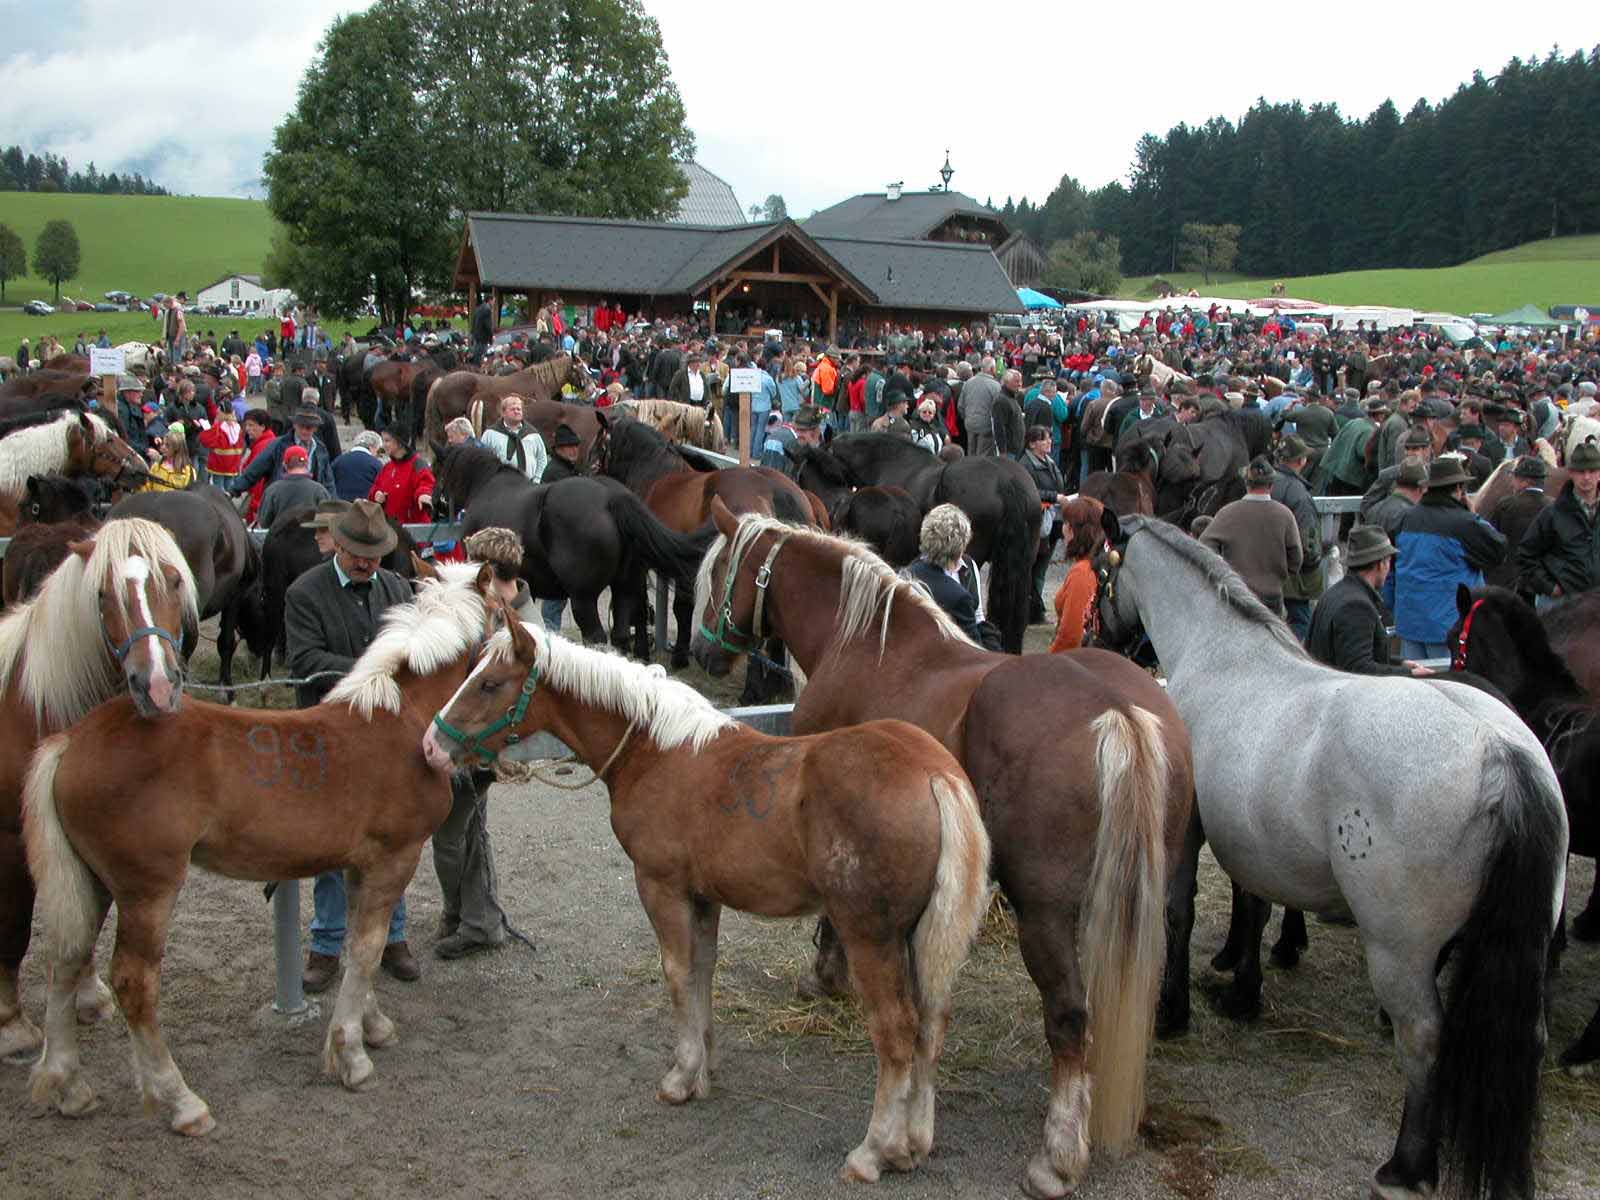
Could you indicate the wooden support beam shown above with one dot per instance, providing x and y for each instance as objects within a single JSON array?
[
  {"x": 820, "y": 294},
  {"x": 494, "y": 302},
  {"x": 833, "y": 316},
  {"x": 774, "y": 258},
  {"x": 778, "y": 277}
]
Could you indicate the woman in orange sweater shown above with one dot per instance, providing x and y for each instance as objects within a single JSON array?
[{"x": 1084, "y": 536}]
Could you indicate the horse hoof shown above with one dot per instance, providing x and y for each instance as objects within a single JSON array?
[
  {"x": 1395, "y": 1190},
  {"x": 680, "y": 661},
  {"x": 812, "y": 986},
  {"x": 70, "y": 1096},
  {"x": 1041, "y": 1181},
  {"x": 1225, "y": 959},
  {"x": 1170, "y": 1028},
  {"x": 354, "y": 1071},
  {"x": 100, "y": 1007},
  {"x": 20, "y": 1040},
  {"x": 1227, "y": 1001},
  {"x": 379, "y": 1031},
  {"x": 1586, "y": 926},
  {"x": 1287, "y": 957},
  {"x": 861, "y": 1167},
  {"x": 194, "y": 1124}
]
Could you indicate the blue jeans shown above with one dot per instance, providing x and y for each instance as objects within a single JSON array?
[
  {"x": 1417, "y": 651},
  {"x": 551, "y": 611},
  {"x": 327, "y": 919},
  {"x": 1298, "y": 615}
]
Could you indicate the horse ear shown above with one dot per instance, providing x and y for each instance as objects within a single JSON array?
[
  {"x": 1463, "y": 599},
  {"x": 485, "y": 581},
  {"x": 522, "y": 643},
  {"x": 602, "y": 418},
  {"x": 421, "y": 568},
  {"x": 726, "y": 522},
  {"x": 1110, "y": 524},
  {"x": 83, "y": 549},
  {"x": 33, "y": 486}
]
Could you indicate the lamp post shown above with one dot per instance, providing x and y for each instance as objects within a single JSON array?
[{"x": 946, "y": 171}]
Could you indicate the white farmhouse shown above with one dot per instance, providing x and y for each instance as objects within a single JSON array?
[{"x": 245, "y": 291}]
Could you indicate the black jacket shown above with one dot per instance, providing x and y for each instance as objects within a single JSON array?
[
  {"x": 558, "y": 469},
  {"x": 1046, "y": 477},
  {"x": 1560, "y": 547},
  {"x": 948, "y": 595},
  {"x": 1512, "y": 517},
  {"x": 1007, "y": 417},
  {"x": 1348, "y": 630},
  {"x": 327, "y": 627}
]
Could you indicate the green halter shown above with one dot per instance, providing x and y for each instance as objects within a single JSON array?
[
  {"x": 725, "y": 623},
  {"x": 474, "y": 744}
]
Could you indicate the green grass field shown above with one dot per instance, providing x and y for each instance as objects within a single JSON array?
[{"x": 1556, "y": 271}]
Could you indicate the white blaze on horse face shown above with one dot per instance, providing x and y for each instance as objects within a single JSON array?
[
  {"x": 136, "y": 574},
  {"x": 436, "y": 755}
]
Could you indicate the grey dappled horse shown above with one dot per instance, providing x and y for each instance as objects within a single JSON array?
[{"x": 1426, "y": 811}]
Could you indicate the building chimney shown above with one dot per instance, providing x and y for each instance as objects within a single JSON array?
[{"x": 894, "y": 190}]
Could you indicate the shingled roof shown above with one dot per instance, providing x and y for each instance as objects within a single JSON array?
[
  {"x": 710, "y": 200},
  {"x": 914, "y": 215}
]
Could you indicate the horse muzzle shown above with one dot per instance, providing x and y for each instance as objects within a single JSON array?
[{"x": 439, "y": 750}]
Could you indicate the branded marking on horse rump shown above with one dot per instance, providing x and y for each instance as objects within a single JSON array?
[
  {"x": 754, "y": 783},
  {"x": 302, "y": 764},
  {"x": 1355, "y": 835}
]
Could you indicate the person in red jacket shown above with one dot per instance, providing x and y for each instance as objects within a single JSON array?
[
  {"x": 258, "y": 431},
  {"x": 225, "y": 444},
  {"x": 405, "y": 485}
]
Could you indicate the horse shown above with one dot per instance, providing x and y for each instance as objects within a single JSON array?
[
  {"x": 1310, "y": 796},
  {"x": 392, "y": 382},
  {"x": 108, "y": 619},
  {"x": 997, "y": 494},
  {"x": 1084, "y": 815},
  {"x": 1501, "y": 638},
  {"x": 885, "y": 518},
  {"x": 680, "y": 493},
  {"x": 1499, "y": 486},
  {"x": 55, "y": 512},
  {"x": 18, "y": 390},
  {"x": 1130, "y": 490},
  {"x": 117, "y": 810},
  {"x": 579, "y": 537},
  {"x": 225, "y": 560},
  {"x": 689, "y": 424},
  {"x": 477, "y": 397},
  {"x": 289, "y": 550},
  {"x": 74, "y": 443},
  {"x": 875, "y": 825},
  {"x": 1573, "y": 626}
]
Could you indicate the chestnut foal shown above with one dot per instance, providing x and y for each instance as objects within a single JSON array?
[
  {"x": 118, "y": 809},
  {"x": 875, "y": 825}
]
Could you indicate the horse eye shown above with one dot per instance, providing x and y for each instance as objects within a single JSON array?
[
  {"x": 34, "y": 509},
  {"x": 490, "y": 685}
]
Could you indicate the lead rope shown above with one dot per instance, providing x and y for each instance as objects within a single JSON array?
[{"x": 551, "y": 773}]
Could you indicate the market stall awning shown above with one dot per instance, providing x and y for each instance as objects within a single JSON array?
[
  {"x": 1529, "y": 316},
  {"x": 1033, "y": 301}
]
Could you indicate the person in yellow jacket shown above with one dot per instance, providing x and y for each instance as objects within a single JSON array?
[{"x": 170, "y": 467}]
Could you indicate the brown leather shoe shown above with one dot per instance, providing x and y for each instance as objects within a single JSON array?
[
  {"x": 319, "y": 973},
  {"x": 400, "y": 962}
]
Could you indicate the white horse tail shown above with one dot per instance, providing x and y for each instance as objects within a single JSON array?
[
  {"x": 1491, "y": 1041},
  {"x": 1124, "y": 936},
  {"x": 476, "y": 412},
  {"x": 67, "y": 888},
  {"x": 949, "y": 923}
]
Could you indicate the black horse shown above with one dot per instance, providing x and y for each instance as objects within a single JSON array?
[
  {"x": 224, "y": 558},
  {"x": 54, "y": 512},
  {"x": 1501, "y": 638},
  {"x": 997, "y": 494},
  {"x": 579, "y": 537},
  {"x": 1196, "y": 458},
  {"x": 289, "y": 551},
  {"x": 886, "y": 518}
]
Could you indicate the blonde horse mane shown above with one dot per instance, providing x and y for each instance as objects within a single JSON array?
[
  {"x": 42, "y": 449},
  {"x": 673, "y": 714},
  {"x": 70, "y": 670},
  {"x": 438, "y": 627},
  {"x": 868, "y": 586},
  {"x": 685, "y": 424}
]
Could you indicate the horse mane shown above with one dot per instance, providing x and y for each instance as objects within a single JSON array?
[
  {"x": 672, "y": 713},
  {"x": 464, "y": 469},
  {"x": 1230, "y": 588},
  {"x": 438, "y": 627},
  {"x": 641, "y": 443},
  {"x": 868, "y": 586},
  {"x": 1570, "y": 616},
  {"x": 552, "y": 371},
  {"x": 41, "y": 449},
  {"x": 1533, "y": 640},
  {"x": 833, "y": 471},
  {"x": 70, "y": 671}
]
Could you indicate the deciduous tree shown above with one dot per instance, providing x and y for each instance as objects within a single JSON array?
[
  {"x": 56, "y": 255},
  {"x": 1208, "y": 248},
  {"x": 13, "y": 258},
  {"x": 1086, "y": 262}
]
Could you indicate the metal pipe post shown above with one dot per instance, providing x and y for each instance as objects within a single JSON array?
[
  {"x": 661, "y": 613},
  {"x": 290, "y": 997}
]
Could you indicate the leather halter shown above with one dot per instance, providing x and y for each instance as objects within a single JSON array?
[
  {"x": 144, "y": 631},
  {"x": 725, "y": 622},
  {"x": 1458, "y": 660}
]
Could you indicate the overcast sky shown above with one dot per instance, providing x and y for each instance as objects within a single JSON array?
[{"x": 1019, "y": 94}]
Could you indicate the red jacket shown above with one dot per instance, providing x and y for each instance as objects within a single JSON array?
[
  {"x": 226, "y": 457},
  {"x": 403, "y": 484},
  {"x": 256, "y": 451},
  {"x": 858, "y": 395}
]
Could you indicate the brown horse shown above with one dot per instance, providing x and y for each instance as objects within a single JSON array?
[
  {"x": 875, "y": 825},
  {"x": 477, "y": 397},
  {"x": 1081, "y": 764},
  {"x": 74, "y": 443},
  {"x": 118, "y": 810},
  {"x": 54, "y": 513},
  {"x": 20, "y": 388},
  {"x": 68, "y": 650},
  {"x": 681, "y": 495}
]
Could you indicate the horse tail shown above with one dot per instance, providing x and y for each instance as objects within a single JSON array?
[
  {"x": 949, "y": 923},
  {"x": 673, "y": 555},
  {"x": 1016, "y": 538},
  {"x": 67, "y": 888},
  {"x": 1124, "y": 935},
  {"x": 432, "y": 419},
  {"x": 1486, "y": 1078},
  {"x": 421, "y": 386}
]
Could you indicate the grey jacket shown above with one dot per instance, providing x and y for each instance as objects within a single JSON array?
[{"x": 327, "y": 627}]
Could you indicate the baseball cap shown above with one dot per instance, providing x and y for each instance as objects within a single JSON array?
[{"x": 296, "y": 456}]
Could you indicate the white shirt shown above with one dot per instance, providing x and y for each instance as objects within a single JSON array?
[{"x": 697, "y": 388}]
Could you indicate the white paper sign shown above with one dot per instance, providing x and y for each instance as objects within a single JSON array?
[
  {"x": 111, "y": 361},
  {"x": 745, "y": 379},
  {"x": 1581, "y": 315}
]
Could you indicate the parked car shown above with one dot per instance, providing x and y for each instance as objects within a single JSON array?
[
  {"x": 37, "y": 308},
  {"x": 104, "y": 306},
  {"x": 82, "y": 306},
  {"x": 119, "y": 297}
]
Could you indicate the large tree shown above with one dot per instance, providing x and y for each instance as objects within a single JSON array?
[
  {"x": 417, "y": 112},
  {"x": 55, "y": 254},
  {"x": 13, "y": 258},
  {"x": 1208, "y": 248},
  {"x": 1088, "y": 261}
]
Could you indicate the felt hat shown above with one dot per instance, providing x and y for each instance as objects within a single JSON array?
[
  {"x": 307, "y": 414},
  {"x": 1531, "y": 466},
  {"x": 362, "y": 530},
  {"x": 1434, "y": 408},
  {"x": 1368, "y": 544},
  {"x": 1417, "y": 438},
  {"x": 807, "y": 417},
  {"x": 1291, "y": 448},
  {"x": 1260, "y": 472},
  {"x": 1412, "y": 474},
  {"x": 1585, "y": 456},
  {"x": 1376, "y": 404},
  {"x": 1470, "y": 431},
  {"x": 1450, "y": 469},
  {"x": 327, "y": 513},
  {"x": 127, "y": 383},
  {"x": 565, "y": 436}
]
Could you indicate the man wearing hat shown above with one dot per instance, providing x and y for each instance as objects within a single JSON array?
[
  {"x": 268, "y": 465},
  {"x": 808, "y": 425},
  {"x": 295, "y": 490},
  {"x": 894, "y": 421},
  {"x": 130, "y": 412},
  {"x": 1410, "y": 478},
  {"x": 1513, "y": 516},
  {"x": 1560, "y": 553},
  {"x": 1442, "y": 544},
  {"x": 1290, "y": 489},
  {"x": 1416, "y": 447},
  {"x": 1258, "y": 537},
  {"x": 331, "y": 615},
  {"x": 1469, "y": 444},
  {"x": 565, "y": 451},
  {"x": 1349, "y": 630},
  {"x": 321, "y": 524}
]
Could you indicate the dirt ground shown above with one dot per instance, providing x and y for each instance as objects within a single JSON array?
[{"x": 533, "y": 1073}]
